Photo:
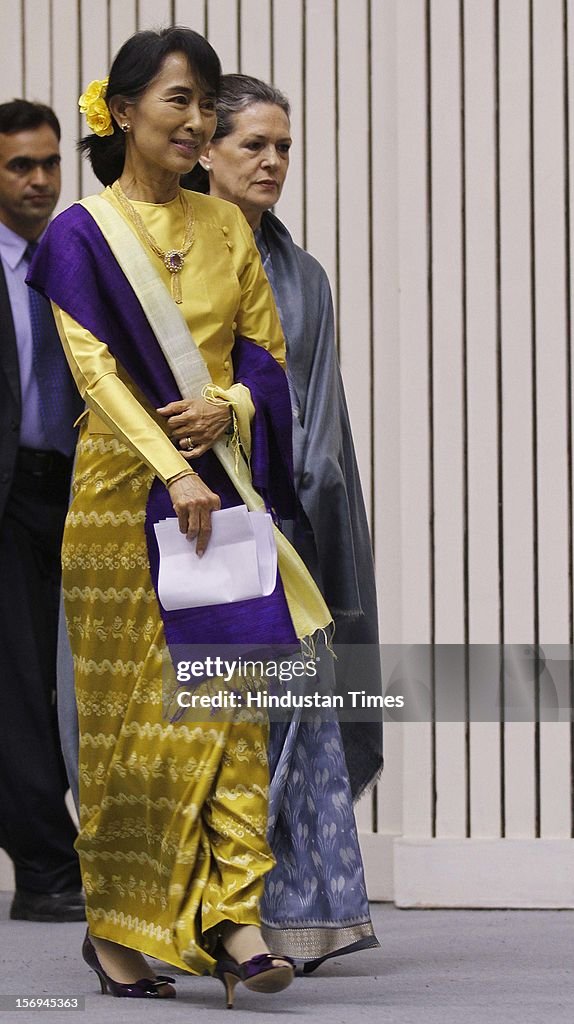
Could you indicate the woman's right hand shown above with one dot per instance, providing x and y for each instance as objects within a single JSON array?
[{"x": 193, "y": 503}]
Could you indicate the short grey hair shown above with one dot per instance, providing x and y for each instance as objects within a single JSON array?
[{"x": 240, "y": 91}]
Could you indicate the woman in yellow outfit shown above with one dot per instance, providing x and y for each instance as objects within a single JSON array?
[{"x": 151, "y": 288}]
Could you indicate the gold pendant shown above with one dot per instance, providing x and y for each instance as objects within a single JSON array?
[
  {"x": 174, "y": 263},
  {"x": 176, "y": 289}
]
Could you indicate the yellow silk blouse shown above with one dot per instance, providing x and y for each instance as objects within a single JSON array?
[{"x": 225, "y": 292}]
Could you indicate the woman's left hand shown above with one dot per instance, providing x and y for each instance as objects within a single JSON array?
[{"x": 195, "y": 424}]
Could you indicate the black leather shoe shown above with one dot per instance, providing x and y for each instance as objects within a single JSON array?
[{"x": 68, "y": 905}]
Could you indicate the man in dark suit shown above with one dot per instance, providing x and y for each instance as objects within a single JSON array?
[{"x": 38, "y": 406}]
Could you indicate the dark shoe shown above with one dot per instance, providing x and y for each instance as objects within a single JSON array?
[
  {"x": 54, "y": 907},
  {"x": 261, "y": 973},
  {"x": 145, "y": 988},
  {"x": 227, "y": 970}
]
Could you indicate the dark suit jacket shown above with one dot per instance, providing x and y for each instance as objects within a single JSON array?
[
  {"x": 10, "y": 400},
  {"x": 10, "y": 396}
]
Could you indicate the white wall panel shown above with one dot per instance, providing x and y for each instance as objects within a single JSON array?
[
  {"x": 12, "y": 65},
  {"x": 288, "y": 76},
  {"x": 222, "y": 32},
  {"x": 413, "y": 323},
  {"x": 447, "y": 367},
  {"x": 555, "y": 788},
  {"x": 37, "y": 46},
  {"x": 320, "y": 136},
  {"x": 354, "y": 213},
  {"x": 385, "y": 383},
  {"x": 517, "y": 390},
  {"x": 480, "y": 223},
  {"x": 386, "y": 524},
  {"x": 122, "y": 24},
  {"x": 516, "y": 297},
  {"x": 551, "y": 391},
  {"x": 94, "y": 63},
  {"x": 255, "y": 39},
  {"x": 390, "y": 796},
  {"x": 65, "y": 92},
  {"x": 447, "y": 380},
  {"x": 413, "y": 264},
  {"x": 154, "y": 13},
  {"x": 191, "y": 14}
]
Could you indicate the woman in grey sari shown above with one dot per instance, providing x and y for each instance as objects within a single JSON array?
[{"x": 315, "y": 902}]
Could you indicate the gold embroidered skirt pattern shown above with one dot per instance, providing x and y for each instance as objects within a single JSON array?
[{"x": 173, "y": 815}]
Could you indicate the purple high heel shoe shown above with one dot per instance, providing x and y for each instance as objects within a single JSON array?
[
  {"x": 263, "y": 974},
  {"x": 228, "y": 970},
  {"x": 145, "y": 988},
  {"x": 259, "y": 974}
]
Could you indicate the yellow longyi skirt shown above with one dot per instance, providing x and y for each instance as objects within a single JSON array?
[{"x": 173, "y": 815}]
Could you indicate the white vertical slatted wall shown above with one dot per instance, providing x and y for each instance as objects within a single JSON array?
[{"x": 431, "y": 175}]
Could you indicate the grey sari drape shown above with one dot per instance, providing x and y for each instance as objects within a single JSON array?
[
  {"x": 315, "y": 902},
  {"x": 331, "y": 533}
]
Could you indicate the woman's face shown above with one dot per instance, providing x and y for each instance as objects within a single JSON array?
[
  {"x": 248, "y": 167},
  {"x": 170, "y": 124}
]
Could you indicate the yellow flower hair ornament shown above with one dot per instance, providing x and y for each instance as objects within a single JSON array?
[{"x": 93, "y": 104}]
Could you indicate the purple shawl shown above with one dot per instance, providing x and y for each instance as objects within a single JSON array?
[{"x": 75, "y": 268}]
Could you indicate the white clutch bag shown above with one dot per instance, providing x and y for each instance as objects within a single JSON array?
[{"x": 240, "y": 561}]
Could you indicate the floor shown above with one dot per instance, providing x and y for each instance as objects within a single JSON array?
[{"x": 456, "y": 967}]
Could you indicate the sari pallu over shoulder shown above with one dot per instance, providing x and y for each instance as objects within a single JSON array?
[{"x": 76, "y": 268}]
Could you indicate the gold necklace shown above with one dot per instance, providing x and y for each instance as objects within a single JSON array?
[{"x": 173, "y": 259}]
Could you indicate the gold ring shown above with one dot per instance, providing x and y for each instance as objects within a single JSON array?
[{"x": 189, "y": 445}]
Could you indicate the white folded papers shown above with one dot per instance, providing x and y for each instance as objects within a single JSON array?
[{"x": 240, "y": 561}]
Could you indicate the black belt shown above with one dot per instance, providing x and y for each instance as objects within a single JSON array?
[{"x": 40, "y": 463}]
